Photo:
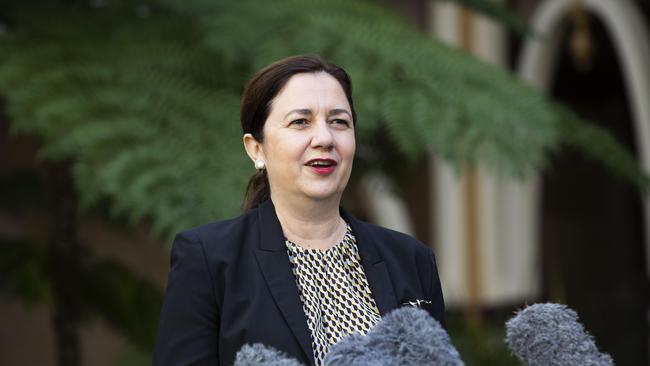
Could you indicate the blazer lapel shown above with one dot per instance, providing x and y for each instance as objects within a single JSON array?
[
  {"x": 373, "y": 265},
  {"x": 274, "y": 262}
]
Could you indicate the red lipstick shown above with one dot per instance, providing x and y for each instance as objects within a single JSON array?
[{"x": 322, "y": 166}]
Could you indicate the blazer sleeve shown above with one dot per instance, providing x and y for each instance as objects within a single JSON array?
[{"x": 188, "y": 329}]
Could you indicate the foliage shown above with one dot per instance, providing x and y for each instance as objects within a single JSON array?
[
  {"x": 129, "y": 98},
  {"x": 599, "y": 145},
  {"x": 144, "y": 95},
  {"x": 426, "y": 95}
]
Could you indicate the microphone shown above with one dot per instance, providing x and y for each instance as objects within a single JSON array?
[
  {"x": 550, "y": 334},
  {"x": 405, "y": 336},
  {"x": 260, "y": 355}
]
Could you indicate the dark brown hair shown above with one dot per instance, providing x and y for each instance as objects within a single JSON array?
[{"x": 256, "y": 105}]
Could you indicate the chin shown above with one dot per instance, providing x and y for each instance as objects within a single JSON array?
[{"x": 324, "y": 194}]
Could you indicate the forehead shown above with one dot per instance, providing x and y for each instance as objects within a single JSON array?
[{"x": 310, "y": 90}]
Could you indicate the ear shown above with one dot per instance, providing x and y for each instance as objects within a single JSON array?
[{"x": 253, "y": 148}]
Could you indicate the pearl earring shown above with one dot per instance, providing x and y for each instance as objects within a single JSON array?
[{"x": 259, "y": 164}]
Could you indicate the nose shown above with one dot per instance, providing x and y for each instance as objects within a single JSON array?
[{"x": 323, "y": 136}]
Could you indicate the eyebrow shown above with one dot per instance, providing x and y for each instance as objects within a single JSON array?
[{"x": 306, "y": 111}]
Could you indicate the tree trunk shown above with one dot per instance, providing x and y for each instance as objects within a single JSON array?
[{"x": 64, "y": 250}]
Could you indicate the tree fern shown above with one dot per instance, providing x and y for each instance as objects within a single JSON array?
[
  {"x": 147, "y": 104},
  {"x": 139, "y": 130}
]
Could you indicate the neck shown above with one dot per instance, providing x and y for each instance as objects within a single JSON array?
[{"x": 311, "y": 224}]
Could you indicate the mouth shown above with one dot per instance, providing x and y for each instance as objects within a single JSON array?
[{"x": 322, "y": 166}]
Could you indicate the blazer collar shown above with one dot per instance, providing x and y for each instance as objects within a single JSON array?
[
  {"x": 273, "y": 238},
  {"x": 274, "y": 263},
  {"x": 365, "y": 242},
  {"x": 372, "y": 262}
]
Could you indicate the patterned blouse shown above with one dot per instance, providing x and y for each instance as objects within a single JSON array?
[{"x": 334, "y": 292}]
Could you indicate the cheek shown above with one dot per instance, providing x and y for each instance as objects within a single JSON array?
[
  {"x": 281, "y": 153},
  {"x": 349, "y": 147}
]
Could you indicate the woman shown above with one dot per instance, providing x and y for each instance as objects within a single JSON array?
[{"x": 295, "y": 272}]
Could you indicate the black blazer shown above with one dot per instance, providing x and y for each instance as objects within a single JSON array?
[{"x": 231, "y": 284}]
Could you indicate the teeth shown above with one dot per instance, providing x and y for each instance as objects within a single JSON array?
[{"x": 320, "y": 163}]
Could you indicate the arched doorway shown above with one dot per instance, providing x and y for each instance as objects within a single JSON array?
[
  {"x": 591, "y": 223},
  {"x": 594, "y": 227}
]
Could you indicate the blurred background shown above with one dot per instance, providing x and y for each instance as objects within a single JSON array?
[{"x": 512, "y": 136}]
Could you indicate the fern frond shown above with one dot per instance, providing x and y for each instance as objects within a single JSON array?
[{"x": 148, "y": 105}]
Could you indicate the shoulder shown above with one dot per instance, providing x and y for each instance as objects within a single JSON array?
[
  {"x": 392, "y": 240},
  {"x": 222, "y": 235},
  {"x": 400, "y": 252},
  {"x": 410, "y": 264}
]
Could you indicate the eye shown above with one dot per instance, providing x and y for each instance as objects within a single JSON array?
[
  {"x": 341, "y": 122},
  {"x": 298, "y": 122}
]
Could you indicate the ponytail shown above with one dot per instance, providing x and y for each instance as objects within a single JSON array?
[{"x": 257, "y": 191}]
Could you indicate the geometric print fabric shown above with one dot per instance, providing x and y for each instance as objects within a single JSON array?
[{"x": 334, "y": 292}]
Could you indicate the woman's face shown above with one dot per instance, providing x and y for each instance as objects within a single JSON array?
[{"x": 309, "y": 139}]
